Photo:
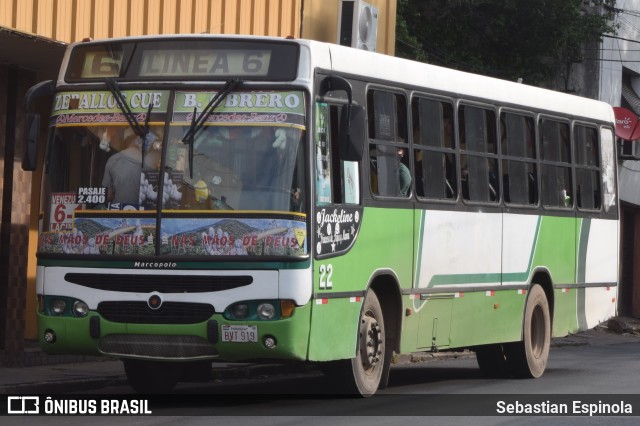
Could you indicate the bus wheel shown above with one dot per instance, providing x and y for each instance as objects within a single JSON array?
[
  {"x": 528, "y": 358},
  {"x": 370, "y": 359},
  {"x": 152, "y": 377},
  {"x": 492, "y": 360},
  {"x": 362, "y": 375}
]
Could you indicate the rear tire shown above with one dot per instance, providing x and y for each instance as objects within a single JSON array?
[
  {"x": 152, "y": 377},
  {"x": 528, "y": 358},
  {"x": 362, "y": 375}
]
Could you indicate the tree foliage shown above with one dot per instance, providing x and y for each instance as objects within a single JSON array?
[{"x": 508, "y": 39}]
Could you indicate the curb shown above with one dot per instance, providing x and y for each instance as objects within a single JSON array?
[{"x": 425, "y": 357}]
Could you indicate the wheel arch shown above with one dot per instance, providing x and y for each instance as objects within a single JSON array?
[
  {"x": 542, "y": 277},
  {"x": 386, "y": 286}
]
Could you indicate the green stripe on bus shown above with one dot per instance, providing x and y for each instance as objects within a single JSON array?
[
  {"x": 418, "y": 267},
  {"x": 581, "y": 272}
]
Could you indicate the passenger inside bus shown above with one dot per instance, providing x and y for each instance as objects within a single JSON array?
[
  {"x": 123, "y": 172},
  {"x": 404, "y": 175}
]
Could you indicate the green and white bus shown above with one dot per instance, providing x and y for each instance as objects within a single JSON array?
[{"x": 231, "y": 198}]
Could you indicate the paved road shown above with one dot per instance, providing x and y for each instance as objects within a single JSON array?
[{"x": 596, "y": 366}]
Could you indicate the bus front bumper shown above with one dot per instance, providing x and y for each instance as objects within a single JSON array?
[{"x": 212, "y": 339}]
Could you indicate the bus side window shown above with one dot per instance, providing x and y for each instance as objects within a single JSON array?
[
  {"x": 389, "y": 164},
  {"x": 478, "y": 154},
  {"x": 337, "y": 181},
  {"x": 557, "y": 185},
  {"x": 519, "y": 173},
  {"x": 608, "y": 161},
  {"x": 434, "y": 155},
  {"x": 588, "y": 193}
]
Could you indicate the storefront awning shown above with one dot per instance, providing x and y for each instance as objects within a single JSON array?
[{"x": 32, "y": 52}]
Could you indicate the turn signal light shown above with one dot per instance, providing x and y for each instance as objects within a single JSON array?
[{"x": 286, "y": 308}]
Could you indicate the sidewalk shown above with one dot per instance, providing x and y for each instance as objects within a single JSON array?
[{"x": 82, "y": 376}]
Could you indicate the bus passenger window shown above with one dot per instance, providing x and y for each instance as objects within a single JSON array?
[
  {"x": 337, "y": 181},
  {"x": 519, "y": 175},
  {"x": 557, "y": 185},
  {"x": 478, "y": 159},
  {"x": 389, "y": 164},
  {"x": 588, "y": 193},
  {"x": 434, "y": 155}
]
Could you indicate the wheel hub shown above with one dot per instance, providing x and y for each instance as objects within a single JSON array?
[{"x": 371, "y": 341}]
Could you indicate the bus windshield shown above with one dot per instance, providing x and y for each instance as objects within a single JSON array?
[{"x": 236, "y": 187}]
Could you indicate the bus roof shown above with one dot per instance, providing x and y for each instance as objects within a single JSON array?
[
  {"x": 440, "y": 80},
  {"x": 462, "y": 84}
]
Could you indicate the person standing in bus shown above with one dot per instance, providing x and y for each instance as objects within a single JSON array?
[
  {"x": 122, "y": 174},
  {"x": 404, "y": 175}
]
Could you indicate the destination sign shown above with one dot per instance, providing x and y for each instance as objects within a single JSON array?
[
  {"x": 180, "y": 60},
  {"x": 188, "y": 63}
]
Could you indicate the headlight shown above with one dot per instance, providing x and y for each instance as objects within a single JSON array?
[
  {"x": 80, "y": 309},
  {"x": 58, "y": 306},
  {"x": 258, "y": 310},
  {"x": 266, "y": 311},
  {"x": 240, "y": 311}
]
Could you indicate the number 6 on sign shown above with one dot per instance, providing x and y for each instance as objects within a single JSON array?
[{"x": 326, "y": 271}]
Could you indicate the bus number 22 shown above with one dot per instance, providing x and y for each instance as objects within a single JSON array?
[{"x": 326, "y": 271}]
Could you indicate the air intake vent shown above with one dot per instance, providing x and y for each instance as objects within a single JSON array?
[
  {"x": 161, "y": 283},
  {"x": 168, "y": 313},
  {"x": 158, "y": 346}
]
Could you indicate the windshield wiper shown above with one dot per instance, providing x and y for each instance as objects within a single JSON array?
[
  {"x": 197, "y": 121},
  {"x": 121, "y": 101}
]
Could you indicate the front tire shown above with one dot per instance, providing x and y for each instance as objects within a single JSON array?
[
  {"x": 362, "y": 375},
  {"x": 528, "y": 358}
]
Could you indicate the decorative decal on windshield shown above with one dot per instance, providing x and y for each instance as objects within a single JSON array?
[
  {"x": 149, "y": 189},
  {"x": 229, "y": 236},
  {"x": 100, "y": 107},
  {"x": 116, "y": 232},
  {"x": 104, "y": 233},
  {"x": 246, "y": 108}
]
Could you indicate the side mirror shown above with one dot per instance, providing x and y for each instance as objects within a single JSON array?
[
  {"x": 30, "y": 158},
  {"x": 352, "y": 119},
  {"x": 36, "y": 92},
  {"x": 351, "y": 138}
]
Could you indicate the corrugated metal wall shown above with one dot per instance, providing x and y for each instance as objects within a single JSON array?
[{"x": 73, "y": 20}]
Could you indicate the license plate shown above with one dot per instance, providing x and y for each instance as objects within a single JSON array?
[{"x": 240, "y": 333}]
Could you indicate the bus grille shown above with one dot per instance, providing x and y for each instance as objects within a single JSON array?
[
  {"x": 159, "y": 346},
  {"x": 133, "y": 283},
  {"x": 169, "y": 312}
]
